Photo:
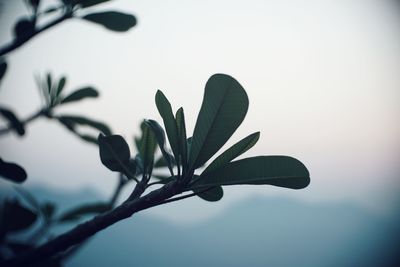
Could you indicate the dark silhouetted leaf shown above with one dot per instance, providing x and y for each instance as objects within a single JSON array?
[
  {"x": 61, "y": 85},
  {"x": 3, "y": 69},
  {"x": 12, "y": 172},
  {"x": 112, "y": 20},
  {"x": 14, "y": 122},
  {"x": 85, "y": 209},
  {"x": 181, "y": 126},
  {"x": 71, "y": 122},
  {"x": 89, "y": 3},
  {"x": 233, "y": 152},
  {"x": 115, "y": 154},
  {"x": 18, "y": 247},
  {"x": 24, "y": 28},
  {"x": 165, "y": 110},
  {"x": 280, "y": 171},
  {"x": 87, "y": 92},
  {"x": 160, "y": 136},
  {"x": 16, "y": 217},
  {"x": 212, "y": 195},
  {"x": 34, "y": 4},
  {"x": 148, "y": 147},
  {"x": 224, "y": 107}
]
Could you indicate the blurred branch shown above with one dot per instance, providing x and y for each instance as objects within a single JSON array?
[{"x": 34, "y": 116}]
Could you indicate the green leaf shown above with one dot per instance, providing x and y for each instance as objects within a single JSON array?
[
  {"x": 180, "y": 123},
  {"x": 115, "y": 153},
  {"x": 80, "y": 94},
  {"x": 16, "y": 217},
  {"x": 3, "y": 69},
  {"x": 224, "y": 107},
  {"x": 213, "y": 194},
  {"x": 234, "y": 151},
  {"x": 160, "y": 136},
  {"x": 71, "y": 122},
  {"x": 148, "y": 147},
  {"x": 61, "y": 85},
  {"x": 12, "y": 172},
  {"x": 280, "y": 171},
  {"x": 165, "y": 110},
  {"x": 85, "y": 209},
  {"x": 112, "y": 20},
  {"x": 14, "y": 122},
  {"x": 49, "y": 83}
]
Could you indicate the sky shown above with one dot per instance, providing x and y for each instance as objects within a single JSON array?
[{"x": 321, "y": 76}]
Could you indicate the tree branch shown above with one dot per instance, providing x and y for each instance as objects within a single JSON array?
[{"x": 91, "y": 227}]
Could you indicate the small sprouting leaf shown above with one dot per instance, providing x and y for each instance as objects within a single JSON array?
[
  {"x": 212, "y": 194},
  {"x": 280, "y": 171},
  {"x": 233, "y": 152},
  {"x": 16, "y": 217},
  {"x": 224, "y": 107},
  {"x": 3, "y": 68},
  {"x": 86, "y": 92},
  {"x": 61, "y": 85},
  {"x": 14, "y": 122},
  {"x": 85, "y": 209},
  {"x": 12, "y": 172},
  {"x": 165, "y": 110},
  {"x": 112, "y": 20},
  {"x": 71, "y": 123},
  {"x": 181, "y": 126},
  {"x": 115, "y": 153},
  {"x": 148, "y": 147},
  {"x": 160, "y": 136}
]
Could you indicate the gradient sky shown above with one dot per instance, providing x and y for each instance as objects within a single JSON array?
[{"x": 322, "y": 79}]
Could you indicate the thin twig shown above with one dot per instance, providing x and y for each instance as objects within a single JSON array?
[{"x": 29, "y": 119}]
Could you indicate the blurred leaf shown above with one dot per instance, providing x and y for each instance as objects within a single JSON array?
[
  {"x": 16, "y": 217},
  {"x": 12, "y": 172},
  {"x": 160, "y": 136},
  {"x": 49, "y": 83},
  {"x": 224, "y": 107},
  {"x": 112, "y": 20},
  {"x": 18, "y": 247},
  {"x": 61, "y": 85},
  {"x": 34, "y": 4},
  {"x": 86, "y": 92},
  {"x": 3, "y": 68},
  {"x": 181, "y": 126},
  {"x": 88, "y": 138},
  {"x": 24, "y": 28},
  {"x": 139, "y": 164},
  {"x": 165, "y": 110},
  {"x": 280, "y": 171},
  {"x": 50, "y": 10},
  {"x": 88, "y": 3},
  {"x": 76, "y": 213},
  {"x": 114, "y": 153},
  {"x": 212, "y": 195},
  {"x": 71, "y": 123},
  {"x": 161, "y": 162},
  {"x": 148, "y": 147},
  {"x": 233, "y": 152},
  {"x": 14, "y": 122}
]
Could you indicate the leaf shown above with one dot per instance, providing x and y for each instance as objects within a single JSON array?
[
  {"x": 71, "y": 123},
  {"x": 49, "y": 83},
  {"x": 61, "y": 85},
  {"x": 86, "y": 92},
  {"x": 14, "y": 122},
  {"x": 213, "y": 194},
  {"x": 89, "y": 3},
  {"x": 181, "y": 126},
  {"x": 85, "y": 209},
  {"x": 224, "y": 107},
  {"x": 114, "y": 153},
  {"x": 160, "y": 136},
  {"x": 165, "y": 110},
  {"x": 16, "y": 217},
  {"x": 3, "y": 69},
  {"x": 24, "y": 28},
  {"x": 12, "y": 172},
  {"x": 148, "y": 147},
  {"x": 233, "y": 152},
  {"x": 48, "y": 210},
  {"x": 112, "y": 20},
  {"x": 280, "y": 171}
]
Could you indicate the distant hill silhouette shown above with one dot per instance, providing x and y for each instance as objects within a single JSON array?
[{"x": 257, "y": 232}]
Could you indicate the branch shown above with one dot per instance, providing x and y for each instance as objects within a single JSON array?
[
  {"x": 91, "y": 227},
  {"x": 31, "y": 118},
  {"x": 17, "y": 42}
]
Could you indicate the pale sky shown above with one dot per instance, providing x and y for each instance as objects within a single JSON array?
[{"x": 322, "y": 79}]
